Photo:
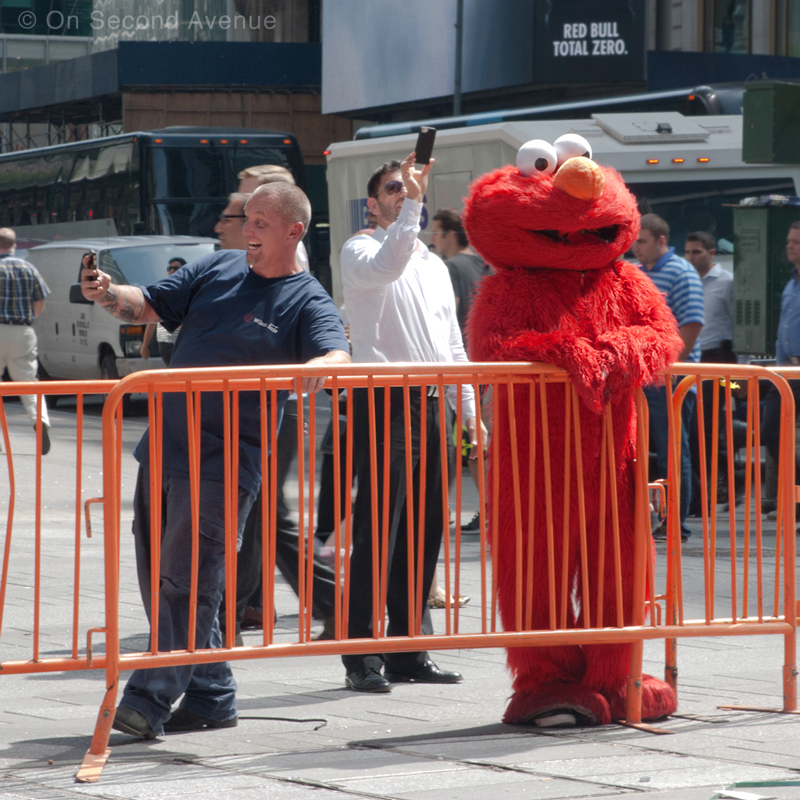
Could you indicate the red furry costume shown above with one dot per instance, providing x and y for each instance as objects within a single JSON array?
[{"x": 560, "y": 295}]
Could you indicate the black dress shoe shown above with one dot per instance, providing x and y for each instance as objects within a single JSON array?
[
  {"x": 183, "y": 721},
  {"x": 367, "y": 680},
  {"x": 426, "y": 672},
  {"x": 130, "y": 721}
]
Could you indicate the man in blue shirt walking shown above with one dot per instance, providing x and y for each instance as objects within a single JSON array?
[
  {"x": 678, "y": 281},
  {"x": 787, "y": 349}
]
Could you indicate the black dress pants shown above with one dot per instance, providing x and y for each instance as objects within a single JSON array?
[{"x": 400, "y": 495}]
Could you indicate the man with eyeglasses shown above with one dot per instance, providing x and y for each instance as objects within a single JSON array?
[
  {"x": 229, "y": 227},
  {"x": 165, "y": 339},
  {"x": 400, "y": 302}
]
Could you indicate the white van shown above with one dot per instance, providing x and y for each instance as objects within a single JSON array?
[{"x": 79, "y": 339}]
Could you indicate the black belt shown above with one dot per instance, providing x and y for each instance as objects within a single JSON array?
[{"x": 15, "y": 322}]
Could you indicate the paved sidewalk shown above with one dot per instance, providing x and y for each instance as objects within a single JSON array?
[{"x": 301, "y": 731}]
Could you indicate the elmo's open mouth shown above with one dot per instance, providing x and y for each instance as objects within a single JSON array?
[{"x": 594, "y": 236}]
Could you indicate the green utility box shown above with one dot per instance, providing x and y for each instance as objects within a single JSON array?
[
  {"x": 771, "y": 123},
  {"x": 760, "y": 273}
]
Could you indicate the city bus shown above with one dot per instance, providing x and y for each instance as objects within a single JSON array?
[{"x": 172, "y": 182}]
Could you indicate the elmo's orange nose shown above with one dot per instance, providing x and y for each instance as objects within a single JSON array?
[{"x": 580, "y": 178}]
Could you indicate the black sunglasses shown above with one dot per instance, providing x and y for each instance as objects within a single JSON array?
[
  {"x": 391, "y": 188},
  {"x": 226, "y": 217}
]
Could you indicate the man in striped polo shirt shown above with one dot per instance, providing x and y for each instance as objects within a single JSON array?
[
  {"x": 22, "y": 295},
  {"x": 680, "y": 284}
]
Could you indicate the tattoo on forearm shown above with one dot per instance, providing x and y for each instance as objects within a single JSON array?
[{"x": 124, "y": 302}]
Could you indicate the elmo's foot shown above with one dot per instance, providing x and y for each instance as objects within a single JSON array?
[
  {"x": 658, "y": 700},
  {"x": 558, "y": 705}
]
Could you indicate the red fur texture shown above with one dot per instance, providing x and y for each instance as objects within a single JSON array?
[{"x": 560, "y": 295}]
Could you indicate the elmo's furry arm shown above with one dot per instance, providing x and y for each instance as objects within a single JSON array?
[
  {"x": 575, "y": 354},
  {"x": 643, "y": 344}
]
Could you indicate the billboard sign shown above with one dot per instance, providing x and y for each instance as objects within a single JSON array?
[{"x": 585, "y": 41}]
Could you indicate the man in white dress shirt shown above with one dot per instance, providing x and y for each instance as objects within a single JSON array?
[
  {"x": 716, "y": 347},
  {"x": 400, "y": 302}
]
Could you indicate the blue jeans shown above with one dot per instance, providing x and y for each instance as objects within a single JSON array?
[
  {"x": 208, "y": 689},
  {"x": 659, "y": 442}
]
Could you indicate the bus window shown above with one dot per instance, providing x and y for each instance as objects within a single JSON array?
[
  {"x": 243, "y": 157},
  {"x": 690, "y": 206},
  {"x": 183, "y": 172},
  {"x": 194, "y": 219}
]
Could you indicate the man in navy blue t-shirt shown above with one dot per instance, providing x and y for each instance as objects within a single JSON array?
[{"x": 233, "y": 308}]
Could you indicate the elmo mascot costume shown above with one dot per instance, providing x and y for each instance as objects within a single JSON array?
[{"x": 554, "y": 227}]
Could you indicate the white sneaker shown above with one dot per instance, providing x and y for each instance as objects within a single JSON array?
[{"x": 562, "y": 719}]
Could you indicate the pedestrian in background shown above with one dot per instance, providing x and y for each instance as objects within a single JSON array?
[{"x": 22, "y": 295}]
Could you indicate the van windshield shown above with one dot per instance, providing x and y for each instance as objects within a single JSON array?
[{"x": 148, "y": 264}]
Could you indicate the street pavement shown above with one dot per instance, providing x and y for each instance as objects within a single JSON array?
[{"x": 302, "y": 735}]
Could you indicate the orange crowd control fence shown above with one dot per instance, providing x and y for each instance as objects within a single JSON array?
[{"x": 648, "y": 597}]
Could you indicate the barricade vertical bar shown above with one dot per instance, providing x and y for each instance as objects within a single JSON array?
[
  {"x": 512, "y": 430},
  {"x": 228, "y": 447},
  {"x": 548, "y": 500},
  {"x": 498, "y": 425},
  {"x": 269, "y": 523},
  {"x": 586, "y": 606},
  {"x": 12, "y": 492},
  {"x": 155, "y": 513},
  {"x": 37, "y": 530},
  {"x": 732, "y": 510},
  {"x": 641, "y": 537},
  {"x": 746, "y": 525},
  {"x": 457, "y": 470},
  {"x": 377, "y": 610},
  {"x": 601, "y": 550},
  {"x": 234, "y": 501},
  {"x": 612, "y": 472},
  {"x": 348, "y": 519},
  {"x": 415, "y": 586},
  {"x": 704, "y": 500},
  {"x": 266, "y": 448},
  {"x": 78, "y": 523},
  {"x": 194, "y": 499},
  {"x": 303, "y": 628},
  {"x": 312, "y": 449},
  {"x": 443, "y": 433},
  {"x": 531, "y": 389},
  {"x": 337, "y": 506},
  {"x": 565, "y": 582},
  {"x": 754, "y": 463},
  {"x": 643, "y": 457},
  {"x": 787, "y": 480},
  {"x": 385, "y": 521},
  {"x": 482, "y": 521},
  {"x": 672, "y": 615},
  {"x": 99, "y": 752}
]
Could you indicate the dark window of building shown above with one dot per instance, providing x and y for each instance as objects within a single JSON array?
[{"x": 730, "y": 26}]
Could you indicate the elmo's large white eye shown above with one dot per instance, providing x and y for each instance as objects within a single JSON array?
[
  {"x": 570, "y": 145},
  {"x": 537, "y": 157}
]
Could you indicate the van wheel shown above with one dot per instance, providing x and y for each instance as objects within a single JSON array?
[{"x": 108, "y": 372}]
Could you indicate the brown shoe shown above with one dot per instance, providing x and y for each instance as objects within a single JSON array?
[
  {"x": 252, "y": 618},
  {"x": 328, "y": 631}
]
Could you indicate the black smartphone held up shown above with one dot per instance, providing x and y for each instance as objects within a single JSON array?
[
  {"x": 93, "y": 261},
  {"x": 424, "y": 146}
]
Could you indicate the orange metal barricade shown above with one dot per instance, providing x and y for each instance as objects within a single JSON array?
[{"x": 526, "y": 388}]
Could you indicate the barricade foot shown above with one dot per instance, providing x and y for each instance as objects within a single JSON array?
[
  {"x": 758, "y": 708},
  {"x": 646, "y": 727},
  {"x": 92, "y": 766}
]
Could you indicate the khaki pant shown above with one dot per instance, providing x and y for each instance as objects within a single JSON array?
[{"x": 18, "y": 352}]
